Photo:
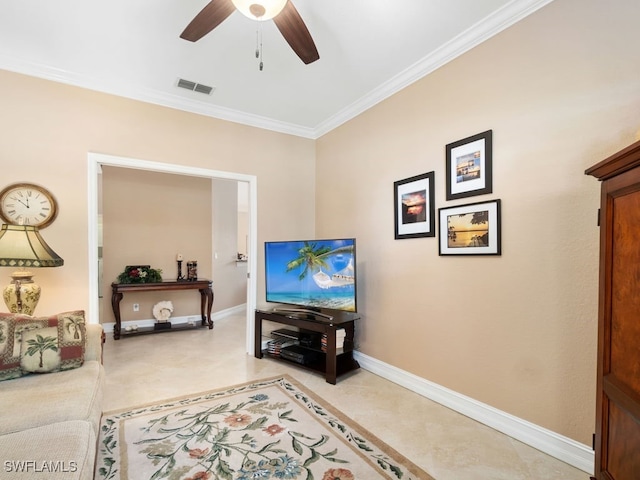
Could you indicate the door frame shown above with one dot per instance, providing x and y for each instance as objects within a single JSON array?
[{"x": 95, "y": 161}]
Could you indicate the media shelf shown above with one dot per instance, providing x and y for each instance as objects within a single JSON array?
[
  {"x": 175, "y": 327},
  {"x": 307, "y": 348}
]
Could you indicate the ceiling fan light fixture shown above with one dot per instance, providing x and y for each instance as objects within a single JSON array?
[{"x": 260, "y": 9}]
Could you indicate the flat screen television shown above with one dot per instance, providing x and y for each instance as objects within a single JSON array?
[{"x": 312, "y": 274}]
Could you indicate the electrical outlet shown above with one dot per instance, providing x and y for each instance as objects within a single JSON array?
[{"x": 136, "y": 307}]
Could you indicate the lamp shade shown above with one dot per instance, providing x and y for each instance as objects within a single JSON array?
[
  {"x": 23, "y": 246},
  {"x": 260, "y": 9}
]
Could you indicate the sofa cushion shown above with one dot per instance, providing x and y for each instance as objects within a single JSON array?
[
  {"x": 35, "y": 400},
  {"x": 9, "y": 361},
  {"x": 41, "y": 344},
  {"x": 63, "y": 451}
]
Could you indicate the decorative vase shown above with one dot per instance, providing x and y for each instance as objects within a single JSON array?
[
  {"x": 22, "y": 295},
  {"x": 192, "y": 271}
]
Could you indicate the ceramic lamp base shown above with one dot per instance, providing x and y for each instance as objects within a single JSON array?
[{"x": 22, "y": 295}]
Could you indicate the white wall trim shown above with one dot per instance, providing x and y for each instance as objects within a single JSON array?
[
  {"x": 563, "y": 448},
  {"x": 95, "y": 162},
  {"x": 495, "y": 23},
  {"x": 237, "y": 310},
  {"x": 509, "y": 14},
  {"x": 149, "y": 95}
]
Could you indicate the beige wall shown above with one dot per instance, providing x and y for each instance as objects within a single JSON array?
[
  {"x": 148, "y": 218},
  {"x": 561, "y": 91},
  {"x": 48, "y": 128},
  {"x": 230, "y": 277}
]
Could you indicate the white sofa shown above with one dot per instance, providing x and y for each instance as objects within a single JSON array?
[{"x": 49, "y": 422}]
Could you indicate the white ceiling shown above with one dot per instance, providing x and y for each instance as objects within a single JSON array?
[{"x": 369, "y": 49}]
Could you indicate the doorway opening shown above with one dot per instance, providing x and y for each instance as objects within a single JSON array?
[{"x": 95, "y": 163}]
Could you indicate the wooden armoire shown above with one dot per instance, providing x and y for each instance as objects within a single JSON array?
[{"x": 617, "y": 438}]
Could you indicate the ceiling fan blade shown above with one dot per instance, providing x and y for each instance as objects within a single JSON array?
[
  {"x": 212, "y": 15},
  {"x": 295, "y": 32}
]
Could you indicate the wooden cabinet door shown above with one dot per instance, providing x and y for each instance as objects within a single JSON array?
[{"x": 618, "y": 388}]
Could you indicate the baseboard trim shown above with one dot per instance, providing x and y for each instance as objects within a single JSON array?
[
  {"x": 563, "y": 448},
  {"x": 237, "y": 310}
]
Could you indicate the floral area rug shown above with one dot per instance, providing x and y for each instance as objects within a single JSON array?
[{"x": 269, "y": 429}]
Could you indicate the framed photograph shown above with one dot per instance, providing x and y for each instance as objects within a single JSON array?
[
  {"x": 469, "y": 165},
  {"x": 414, "y": 207},
  {"x": 472, "y": 229}
]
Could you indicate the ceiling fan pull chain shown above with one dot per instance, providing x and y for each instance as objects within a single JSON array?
[
  {"x": 258, "y": 40},
  {"x": 259, "y": 52}
]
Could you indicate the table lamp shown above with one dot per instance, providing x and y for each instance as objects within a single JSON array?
[{"x": 23, "y": 246}]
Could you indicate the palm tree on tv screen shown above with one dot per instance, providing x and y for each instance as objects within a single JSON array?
[{"x": 313, "y": 257}]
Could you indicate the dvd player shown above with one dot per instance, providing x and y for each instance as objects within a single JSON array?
[{"x": 300, "y": 355}]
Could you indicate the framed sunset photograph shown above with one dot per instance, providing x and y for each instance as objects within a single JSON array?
[
  {"x": 472, "y": 229},
  {"x": 469, "y": 164},
  {"x": 414, "y": 207}
]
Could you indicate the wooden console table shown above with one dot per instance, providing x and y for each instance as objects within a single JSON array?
[
  {"x": 331, "y": 363},
  {"x": 204, "y": 286}
]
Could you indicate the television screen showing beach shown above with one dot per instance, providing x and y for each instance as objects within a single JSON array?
[
  {"x": 315, "y": 274},
  {"x": 468, "y": 230}
]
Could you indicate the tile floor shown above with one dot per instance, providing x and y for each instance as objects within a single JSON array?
[{"x": 448, "y": 445}]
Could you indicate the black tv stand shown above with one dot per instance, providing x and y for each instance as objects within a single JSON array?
[
  {"x": 330, "y": 362},
  {"x": 305, "y": 311}
]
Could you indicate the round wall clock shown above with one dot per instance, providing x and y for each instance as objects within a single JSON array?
[{"x": 27, "y": 204}]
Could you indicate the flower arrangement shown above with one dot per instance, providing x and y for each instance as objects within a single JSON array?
[{"x": 140, "y": 274}]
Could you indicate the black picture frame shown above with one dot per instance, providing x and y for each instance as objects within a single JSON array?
[
  {"x": 471, "y": 229},
  {"x": 414, "y": 207},
  {"x": 469, "y": 166}
]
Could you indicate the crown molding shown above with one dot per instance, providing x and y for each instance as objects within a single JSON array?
[
  {"x": 503, "y": 18},
  {"x": 151, "y": 96},
  {"x": 495, "y": 23}
]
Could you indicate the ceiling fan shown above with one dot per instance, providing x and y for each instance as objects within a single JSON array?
[{"x": 283, "y": 13}]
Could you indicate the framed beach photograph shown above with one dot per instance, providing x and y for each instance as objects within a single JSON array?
[
  {"x": 469, "y": 166},
  {"x": 472, "y": 229},
  {"x": 414, "y": 207}
]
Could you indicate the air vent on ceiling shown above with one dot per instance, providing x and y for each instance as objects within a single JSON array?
[{"x": 194, "y": 87}]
